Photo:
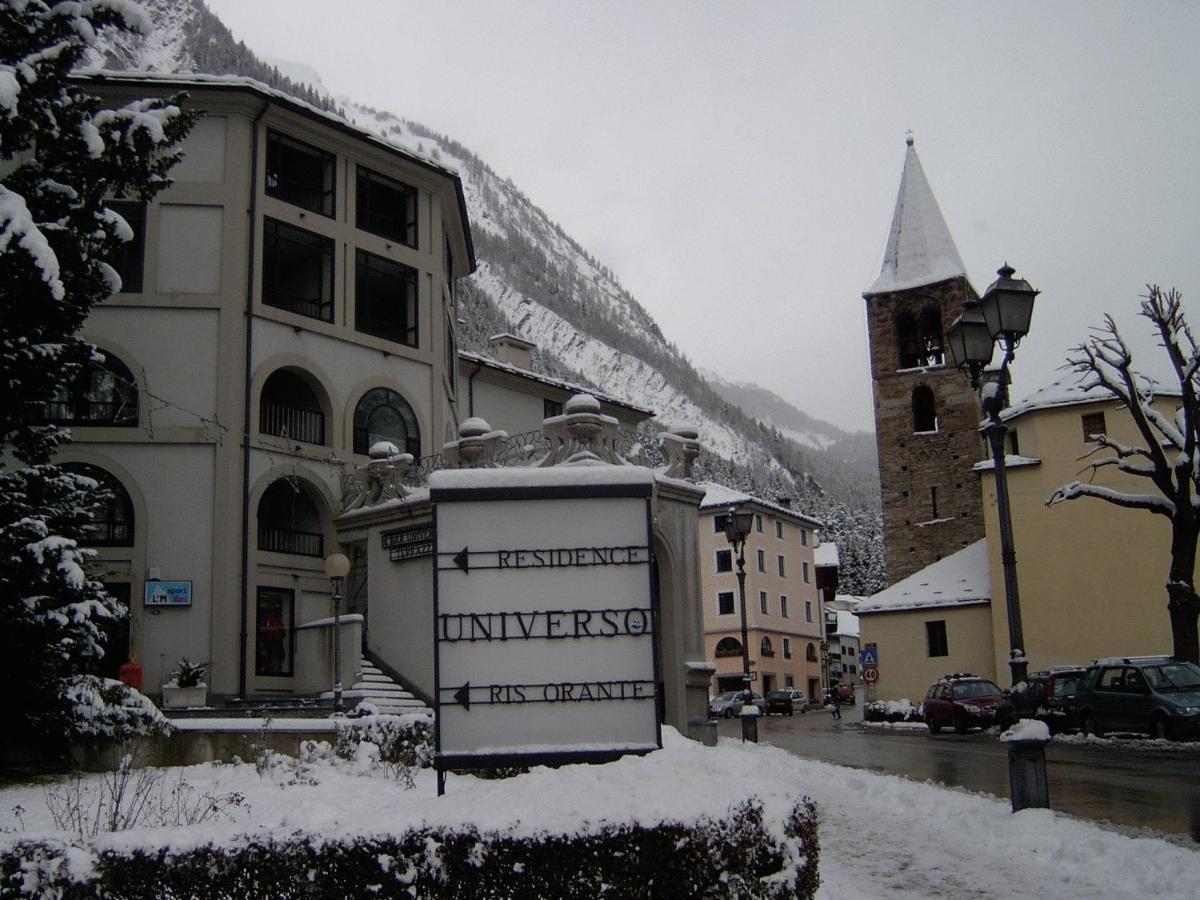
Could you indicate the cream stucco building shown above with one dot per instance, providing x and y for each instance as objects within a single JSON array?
[
  {"x": 784, "y": 613},
  {"x": 1091, "y": 574}
]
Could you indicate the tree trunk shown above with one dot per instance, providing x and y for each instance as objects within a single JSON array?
[{"x": 1183, "y": 605}]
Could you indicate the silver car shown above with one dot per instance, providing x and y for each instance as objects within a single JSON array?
[{"x": 730, "y": 703}]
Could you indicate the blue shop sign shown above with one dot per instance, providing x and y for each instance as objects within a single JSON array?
[{"x": 168, "y": 593}]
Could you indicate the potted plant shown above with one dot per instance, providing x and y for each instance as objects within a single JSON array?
[{"x": 186, "y": 687}]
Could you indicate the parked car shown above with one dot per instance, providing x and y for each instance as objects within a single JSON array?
[
  {"x": 1153, "y": 694},
  {"x": 786, "y": 702},
  {"x": 964, "y": 701},
  {"x": 845, "y": 691},
  {"x": 729, "y": 704},
  {"x": 1049, "y": 697}
]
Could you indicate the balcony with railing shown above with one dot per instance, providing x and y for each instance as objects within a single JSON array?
[
  {"x": 286, "y": 540},
  {"x": 292, "y": 422}
]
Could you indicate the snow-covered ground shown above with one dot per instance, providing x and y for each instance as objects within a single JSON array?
[{"x": 879, "y": 834}]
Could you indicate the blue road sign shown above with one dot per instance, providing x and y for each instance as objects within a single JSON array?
[{"x": 869, "y": 656}]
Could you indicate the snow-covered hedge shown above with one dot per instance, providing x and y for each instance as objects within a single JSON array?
[
  {"x": 407, "y": 739},
  {"x": 892, "y": 711},
  {"x": 734, "y": 857}
]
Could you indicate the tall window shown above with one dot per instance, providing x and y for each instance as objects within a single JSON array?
[
  {"x": 724, "y": 560},
  {"x": 130, "y": 258},
  {"x": 807, "y": 610},
  {"x": 288, "y": 520},
  {"x": 725, "y": 603},
  {"x": 762, "y": 603},
  {"x": 112, "y": 524},
  {"x": 787, "y": 648},
  {"x": 383, "y": 415},
  {"x": 924, "y": 409},
  {"x": 387, "y": 207},
  {"x": 274, "y": 636},
  {"x": 782, "y": 571},
  {"x": 935, "y": 637},
  {"x": 762, "y": 561},
  {"x": 1093, "y": 423},
  {"x": 300, "y": 173},
  {"x": 783, "y": 601},
  {"x": 385, "y": 299},
  {"x": 297, "y": 270},
  {"x": 778, "y": 529},
  {"x": 765, "y": 647},
  {"x": 810, "y": 653},
  {"x": 933, "y": 501},
  {"x": 803, "y": 570},
  {"x": 289, "y": 409},
  {"x": 803, "y": 537},
  {"x": 919, "y": 338},
  {"x": 103, "y": 393},
  {"x": 758, "y": 524}
]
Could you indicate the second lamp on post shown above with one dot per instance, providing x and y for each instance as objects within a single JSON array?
[
  {"x": 337, "y": 567},
  {"x": 1001, "y": 316},
  {"x": 738, "y": 523}
]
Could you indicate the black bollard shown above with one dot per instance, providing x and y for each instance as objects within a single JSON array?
[{"x": 1027, "y": 774}]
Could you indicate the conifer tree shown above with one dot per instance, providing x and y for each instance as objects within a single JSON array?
[{"x": 61, "y": 155}]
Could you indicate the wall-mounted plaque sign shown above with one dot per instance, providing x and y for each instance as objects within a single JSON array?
[
  {"x": 408, "y": 543},
  {"x": 544, "y": 615},
  {"x": 168, "y": 593}
]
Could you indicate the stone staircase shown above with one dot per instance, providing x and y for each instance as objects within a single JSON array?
[{"x": 373, "y": 688}]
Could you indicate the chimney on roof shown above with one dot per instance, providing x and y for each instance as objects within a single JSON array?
[
  {"x": 512, "y": 350},
  {"x": 785, "y": 502}
]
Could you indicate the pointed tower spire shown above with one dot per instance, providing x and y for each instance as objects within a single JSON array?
[{"x": 919, "y": 250}]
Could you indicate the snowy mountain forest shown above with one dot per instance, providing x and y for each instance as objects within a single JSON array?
[{"x": 534, "y": 280}]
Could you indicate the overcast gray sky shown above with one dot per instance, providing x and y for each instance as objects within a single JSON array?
[{"x": 736, "y": 164}]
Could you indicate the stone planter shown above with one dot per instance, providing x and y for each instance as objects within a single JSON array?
[{"x": 175, "y": 697}]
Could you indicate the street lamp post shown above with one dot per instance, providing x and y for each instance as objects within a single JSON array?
[
  {"x": 1002, "y": 315},
  {"x": 337, "y": 566},
  {"x": 738, "y": 523}
]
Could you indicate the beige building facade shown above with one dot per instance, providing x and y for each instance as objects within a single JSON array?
[{"x": 784, "y": 613}]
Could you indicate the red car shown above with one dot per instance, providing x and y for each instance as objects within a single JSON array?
[{"x": 964, "y": 701}]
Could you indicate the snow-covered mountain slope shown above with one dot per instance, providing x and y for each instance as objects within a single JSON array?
[{"x": 533, "y": 279}]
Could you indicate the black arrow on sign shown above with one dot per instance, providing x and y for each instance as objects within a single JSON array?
[
  {"x": 462, "y": 560},
  {"x": 463, "y": 695}
]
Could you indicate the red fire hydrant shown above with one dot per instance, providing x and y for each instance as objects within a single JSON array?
[{"x": 130, "y": 673}]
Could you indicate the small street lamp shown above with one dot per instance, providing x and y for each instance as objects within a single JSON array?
[
  {"x": 337, "y": 567},
  {"x": 738, "y": 523},
  {"x": 1002, "y": 315}
]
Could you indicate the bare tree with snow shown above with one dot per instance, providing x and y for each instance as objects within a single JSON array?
[{"x": 1167, "y": 456}]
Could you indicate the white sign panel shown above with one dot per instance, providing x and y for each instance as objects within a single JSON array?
[{"x": 544, "y": 623}]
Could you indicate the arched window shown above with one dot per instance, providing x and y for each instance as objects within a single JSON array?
[
  {"x": 931, "y": 336},
  {"x": 289, "y": 520},
  {"x": 919, "y": 339},
  {"x": 924, "y": 409},
  {"x": 728, "y": 646},
  {"x": 112, "y": 525},
  {"x": 289, "y": 409},
  {"x": 765, "y": 647},
  {"x": 810, "y": 653},
  {"x": 103, "y": 393},
  {"x": 908, "y": 340},
  {"x": 383, "y": 415}
]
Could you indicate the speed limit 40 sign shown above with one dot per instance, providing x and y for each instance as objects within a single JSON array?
[{"x": 870, "y": 674}]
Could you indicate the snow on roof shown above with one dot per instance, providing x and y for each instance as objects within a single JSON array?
[
  {"x": 919, "y": 248},
  {"x": 847, "y": 622},
  {"x": 1074, "y": 389},
  {"x": 719, "y": 495},
  {"x": 826, "y": 554},
  {"x": 581, "y": 475},
  {"x": 960, "y": 579},
  {"x": 553, "y": 382}
]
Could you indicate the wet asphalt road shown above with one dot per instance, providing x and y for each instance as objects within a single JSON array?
[{"x": 1158, "y": 789}]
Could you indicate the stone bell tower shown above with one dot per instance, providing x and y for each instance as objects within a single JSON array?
[{"x": 926, "y": 415}]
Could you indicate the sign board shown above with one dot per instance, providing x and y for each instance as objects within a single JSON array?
[
  {"x": 870, "y": 674},
  {"x": 869, "y": 656},
  {"x": 544, "y": 617},
  {"x": 408, "y": 543},
  {"x": 168, "y": 593}
]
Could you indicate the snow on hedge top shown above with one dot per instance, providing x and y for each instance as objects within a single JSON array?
[
  {"x": 919, "y": 248},
  {"x": 961, "y": 579}
]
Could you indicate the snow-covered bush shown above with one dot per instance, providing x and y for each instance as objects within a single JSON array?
[
  {"x": 736, "y": 856},
  {"x": 891, "y": 711},
  {"x": 60, "y": 156},
  {"x": 406, "y": 740},
  {"x": 104, "y": 708}
]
